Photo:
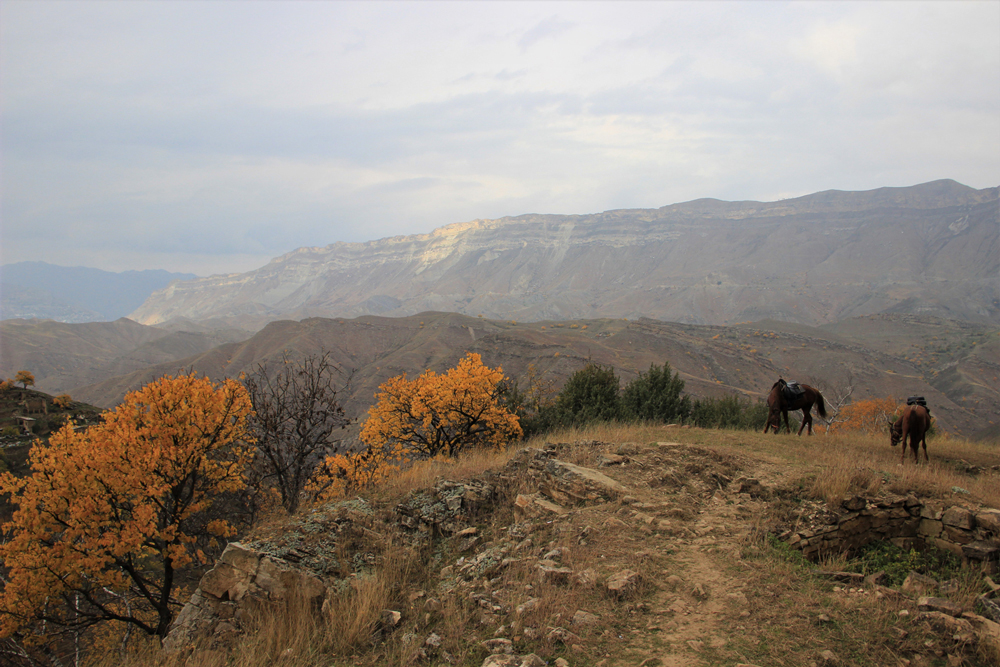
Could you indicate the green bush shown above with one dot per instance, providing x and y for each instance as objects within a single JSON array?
[
  {"x": 591, "y": 394},
  {"x": 897, "y": 562},
  {"x": 729, "y": 412},
  {"x": 656, "y": 396}
]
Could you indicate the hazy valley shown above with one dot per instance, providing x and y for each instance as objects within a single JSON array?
[{"x": 886, "y": 292}]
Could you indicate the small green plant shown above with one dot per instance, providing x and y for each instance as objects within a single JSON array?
[
  {"x": 898, "y": 562},
  {"x": 10, "y": 432}
]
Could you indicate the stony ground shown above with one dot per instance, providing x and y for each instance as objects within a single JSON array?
[{"x": 609, "y": 555}]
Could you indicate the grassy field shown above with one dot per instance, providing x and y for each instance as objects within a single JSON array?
[{"x": 717, "y": 588}]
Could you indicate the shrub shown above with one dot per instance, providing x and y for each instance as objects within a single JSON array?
[
  {"x": 897, "y": 562},
  {"x": 591, "y": 394},
  {"x": 656, "y": 396}
]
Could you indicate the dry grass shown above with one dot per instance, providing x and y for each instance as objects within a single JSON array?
[{"x": 793, "y": 614}]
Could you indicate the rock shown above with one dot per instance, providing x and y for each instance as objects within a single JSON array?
[
  {"x": 584, "y": 579},
  {"x": 749, "y": 486},
  {"x": 853, "y": 503},
  {"x": 583, "y": 618},
  {"x": 940, "y": 605},
  {"x": 948, "y": 624},
  {"x": 607, "y": 460},
  {"x": 501, "y": 660},
  {"x": 499, "y": 645},
  {"x": 526, "y": 607},
  {"x": 623, "y": 584},
  {"x": 917, "y": 584},
  {"x": 562, "y": 662},
  {"x": 555, "y": 575},
  {"x": 877, "y": 579},
  {"x": 959, "y": 517},
  {"x": 829, "y": 658},
  {"x": 391, "y": 617},
  {"x": 433, "y": 640},
  {"x": 989, "y": 520},
  {"x": 987, "y": 631},
  {"x": 582, "y": 484},
  {"x": 562, "y": 636},
  {"x": 533, "y": 505}
]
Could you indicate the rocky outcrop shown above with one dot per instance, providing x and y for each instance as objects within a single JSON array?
[{"x": 301, "y": 562}]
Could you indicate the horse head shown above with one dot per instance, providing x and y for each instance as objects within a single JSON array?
[{"x": 895, "y": 431}]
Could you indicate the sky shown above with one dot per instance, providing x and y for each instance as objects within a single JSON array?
[{"x": 211, "y": 137}]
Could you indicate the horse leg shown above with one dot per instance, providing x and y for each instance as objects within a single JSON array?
[
  {"x": 807, "y": 422},
  {"x": 784, "y": 413},
  {"x": 923, "y": 441}
]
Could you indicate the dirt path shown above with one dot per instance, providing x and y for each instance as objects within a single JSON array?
[{"x": 693, "y": 517}]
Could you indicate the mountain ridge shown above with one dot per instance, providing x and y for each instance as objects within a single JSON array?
[{"x": 813, "y": 259}]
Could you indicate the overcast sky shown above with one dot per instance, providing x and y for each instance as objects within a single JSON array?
[{"x": 212, "y": 136}]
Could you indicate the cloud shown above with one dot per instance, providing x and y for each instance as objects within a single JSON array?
[
  {"x": 191, "y": 130},
  {"x": 549, "y": 27}
]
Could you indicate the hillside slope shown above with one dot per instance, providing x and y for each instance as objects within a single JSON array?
[
  {"x": 712, "y": 361},
  {"x": 611, "y": 554},
  {"x": 63, "y": 356},
  {"x": 931, "y": 249}
]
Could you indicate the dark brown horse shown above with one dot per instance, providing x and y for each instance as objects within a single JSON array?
[
  {"x": 913, "y": 423},
  {"x": 779, "y": 402}
]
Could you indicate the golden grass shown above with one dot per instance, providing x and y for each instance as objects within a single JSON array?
[{"x": 785, "y": 601}]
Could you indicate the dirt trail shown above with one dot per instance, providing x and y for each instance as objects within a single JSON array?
[{"x": 694, "y": 508}]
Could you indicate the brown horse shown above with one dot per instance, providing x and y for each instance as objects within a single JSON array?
[
  {"x": 913, "y": 423},
  {"x": 779, "y": 403}
]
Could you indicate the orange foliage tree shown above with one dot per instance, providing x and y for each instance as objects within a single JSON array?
[
  {"x": 442, "y": 414},
  {"x": 870, "y": 415},
  {"x": 431, "y": 415},
  {"x": 110, "y": 514},
  {"x": 25, "y": 378}
]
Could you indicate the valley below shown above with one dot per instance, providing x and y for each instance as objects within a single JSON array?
[{"x": 954, "y": 365}]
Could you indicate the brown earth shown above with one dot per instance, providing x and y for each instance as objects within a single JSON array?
[
  {"x": 879, "y": 357},
  {"x": 676, "y": 567}
]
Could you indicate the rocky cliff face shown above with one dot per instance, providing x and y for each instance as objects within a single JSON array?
[{"x": 932, "y": 249}]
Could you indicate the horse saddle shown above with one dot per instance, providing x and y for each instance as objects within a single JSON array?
[
  {"x": 916, "y": 400},
  {"x": 792, "y": 390}
]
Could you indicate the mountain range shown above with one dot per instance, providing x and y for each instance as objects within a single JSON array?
[
  {"x": 76, "y": 294},
  {"x": 930, "y": 249}
]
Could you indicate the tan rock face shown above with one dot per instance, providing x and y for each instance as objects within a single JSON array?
[{"x": 699, "y": 262}]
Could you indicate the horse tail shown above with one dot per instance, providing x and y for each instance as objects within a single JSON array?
[{"x": 820, "y": 406}]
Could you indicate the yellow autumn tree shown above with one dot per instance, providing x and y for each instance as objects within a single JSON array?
[
  {"x": 25, "y": 378},
  {"x": 870, "y": 415},
  {"x": 111, "y": 515},
  {"x": 430, "y": 416},
  {"x": 442, "y": 414}
]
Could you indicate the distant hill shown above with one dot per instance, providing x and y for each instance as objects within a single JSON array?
[
  {"x": 884, "y": 355},
  {"x": 63, "y": 356},
  {"x": 931, "y": 249},
  {"x": 76, "y": 294}
]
